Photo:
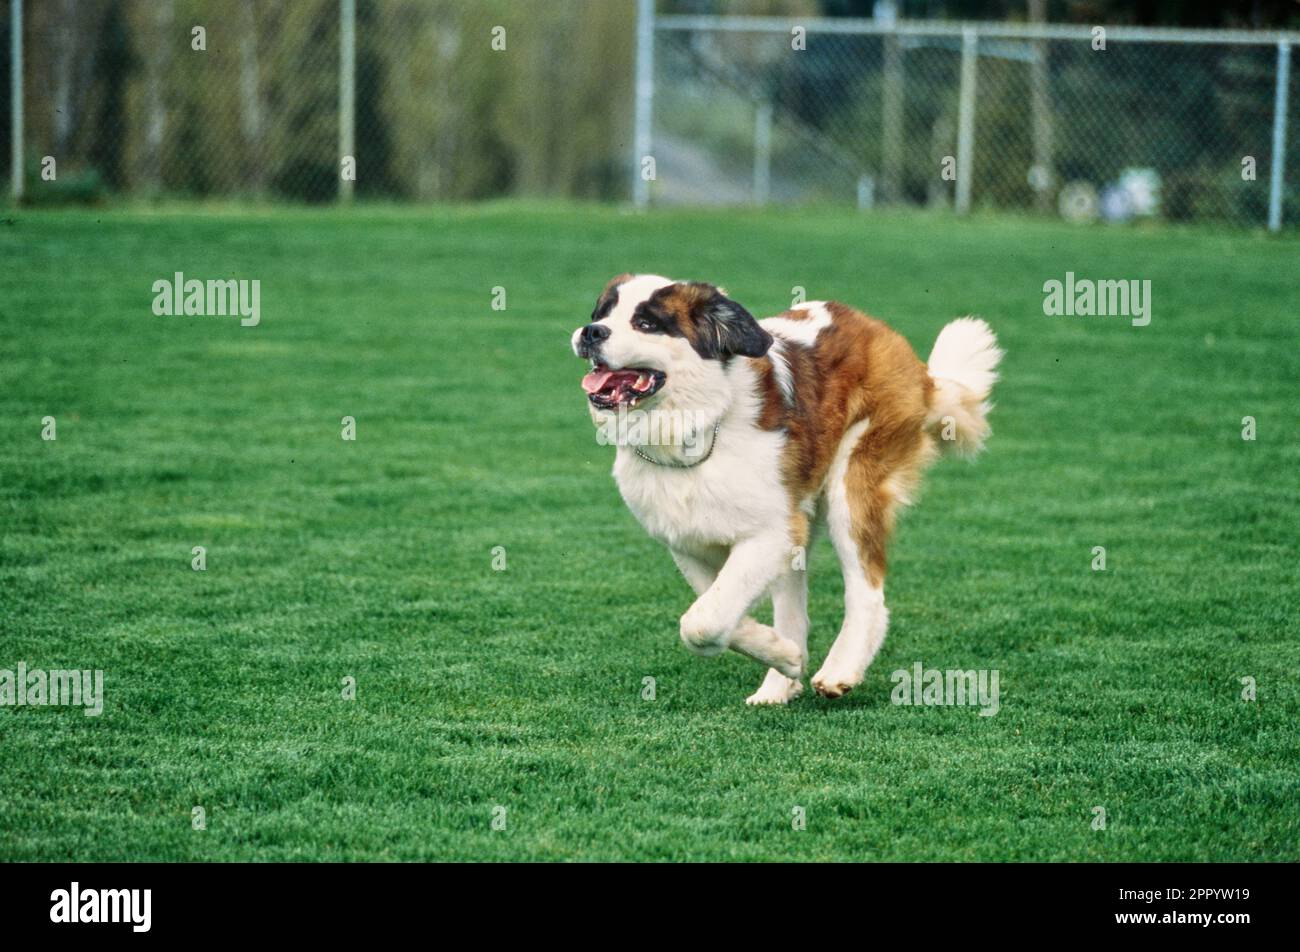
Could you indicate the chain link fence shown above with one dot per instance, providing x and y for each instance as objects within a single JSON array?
[
  {"x": 469, "y": 99},
  {"x": 451, "y": 99},
  {"x": 1114, "y": 124}
]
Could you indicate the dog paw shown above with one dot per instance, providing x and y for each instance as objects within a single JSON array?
[
  {"x": 832, "y": 684},
  {"x": 776, "y": 689},
  {"x": 702, "y": 633}
]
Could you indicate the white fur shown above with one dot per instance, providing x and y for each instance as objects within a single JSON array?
[
  {"x": 963, "y": 364},
  {"x": 788, "y": 332},
  {"x": 626, "y": 347},
  {"x": 966, "y": 352},
  {"x": 802, "y": 331},
  {"x": 790, "y": 619},
  {"x": 781, "y": 369},
  {"x": 736, "y": 495},
  {"x": 707, "y": 637}
]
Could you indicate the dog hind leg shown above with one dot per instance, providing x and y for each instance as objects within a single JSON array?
[{"x": 871, "y": 477}]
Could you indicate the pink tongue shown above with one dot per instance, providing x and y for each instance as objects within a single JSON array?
[{"x": 598, "y": 380}]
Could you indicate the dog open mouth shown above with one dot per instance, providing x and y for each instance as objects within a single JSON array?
[{"x": 607, "y": 388}]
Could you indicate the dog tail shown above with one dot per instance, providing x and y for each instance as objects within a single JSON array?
[{"x": 963, "y": 365}]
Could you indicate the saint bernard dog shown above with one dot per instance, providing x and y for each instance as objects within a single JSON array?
[{"x": 738, "y": 439}]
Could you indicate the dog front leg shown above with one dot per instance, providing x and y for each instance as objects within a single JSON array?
[{"x": 717, "y": 619}]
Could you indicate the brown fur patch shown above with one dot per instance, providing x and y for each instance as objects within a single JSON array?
[
  {"x": 680, "y": 301},
  {"x": 857, "y": 368},
  {"x": 800, "y": 528}
]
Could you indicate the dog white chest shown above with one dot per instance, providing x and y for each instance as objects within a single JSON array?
[{"x": 733, "y": 494}]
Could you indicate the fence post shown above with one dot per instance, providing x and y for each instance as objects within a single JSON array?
[
  {"x": 891, "y": 126},
  {"x": 762, "y": 152},
  {"x": 1275, "y": 182},
  {"x": 966, "y": 117},
  {"x": 1040, "y": 101},
  {"x": 644, "y": 90},
  {"x": 16, "y": 96},
  {"x": 347, "y": 93}
]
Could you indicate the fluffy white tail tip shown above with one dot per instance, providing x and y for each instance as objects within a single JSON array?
[{"x": 963, "y": 365}]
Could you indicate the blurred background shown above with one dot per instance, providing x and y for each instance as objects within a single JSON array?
[{"x": 1189, "y": 113}]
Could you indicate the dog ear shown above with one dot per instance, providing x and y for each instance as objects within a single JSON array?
[{"x": 722, "y": 327}]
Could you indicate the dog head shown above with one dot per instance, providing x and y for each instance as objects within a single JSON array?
[{"x": 668, "y": 344}]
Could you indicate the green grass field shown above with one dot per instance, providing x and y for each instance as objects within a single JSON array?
[{"x": 522, "y": 689}]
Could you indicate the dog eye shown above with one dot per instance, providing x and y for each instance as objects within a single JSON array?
[{"x": 642, "y": 324}]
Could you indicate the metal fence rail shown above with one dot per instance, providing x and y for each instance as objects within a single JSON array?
[
  {"x": 431, "y": 100},
  {"x": 1108, "y": 122}
]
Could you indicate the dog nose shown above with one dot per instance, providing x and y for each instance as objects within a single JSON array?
[{"x": 593, "y": 334}]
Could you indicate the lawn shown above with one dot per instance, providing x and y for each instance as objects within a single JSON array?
[{"x": 519, "y": 694}]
